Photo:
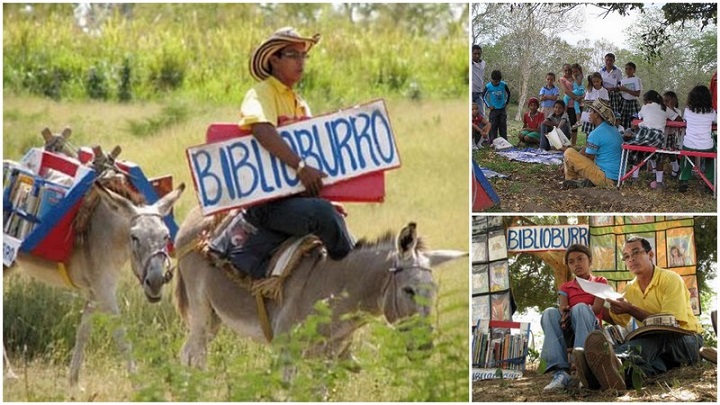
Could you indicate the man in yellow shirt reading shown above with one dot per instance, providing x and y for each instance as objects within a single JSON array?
[{"x": 653, "y": 291}]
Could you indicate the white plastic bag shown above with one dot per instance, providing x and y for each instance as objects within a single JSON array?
[
  {"x": 557, "y": 138},
  {"x": 501, "y": 143}
]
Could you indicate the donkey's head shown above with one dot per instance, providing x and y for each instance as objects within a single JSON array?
[
  {"x": 148, "y": 238},
  {"x": 412, "y": 288}
]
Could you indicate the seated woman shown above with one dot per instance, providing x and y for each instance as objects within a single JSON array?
[{"x": 578, "y": 313}]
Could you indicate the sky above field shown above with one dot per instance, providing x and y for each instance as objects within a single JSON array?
[{"x": 596, "y": 27}]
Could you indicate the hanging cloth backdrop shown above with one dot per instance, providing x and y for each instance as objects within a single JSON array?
[
  {"x": 490, "y": 272},
  {"x": 672, "y": 239}
]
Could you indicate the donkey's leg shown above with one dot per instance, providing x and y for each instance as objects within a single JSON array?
[
  {"x": 81, "y": 337},
  {"x": 203, "y": 325},
  {"x": 108, "y": 304}
]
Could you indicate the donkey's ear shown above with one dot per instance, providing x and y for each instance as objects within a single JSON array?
[
  {"x": 116, "y": 201},
  {"x": 407, "y": 240},
  {"x": 438, "y": 257},
  {"x": 165, "y": 204}
]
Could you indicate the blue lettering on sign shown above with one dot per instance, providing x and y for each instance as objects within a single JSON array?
[
  {"x": 377, "y": 115},
  {"x": 202, "y": 162},
  {"x": 545, "y": 238},
  {"x": 339, "y": 146},
  {"x": 512, "y": 240}
]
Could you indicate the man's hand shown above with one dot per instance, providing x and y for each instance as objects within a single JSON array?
[
  {"x": 311, "y": 178},
  {"x": 565, "y": 317},
  {"x": 339, "y": 208},
  {"x": 620, "y": 306}
]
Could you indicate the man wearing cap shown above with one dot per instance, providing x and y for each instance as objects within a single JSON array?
[
  {"x": 653, "y": 291},
  {"x": 599, "y": 164},
  {"x": 278, "y": 65}
]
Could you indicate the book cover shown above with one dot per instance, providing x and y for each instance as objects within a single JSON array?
[{"x": 50, "y": 196}]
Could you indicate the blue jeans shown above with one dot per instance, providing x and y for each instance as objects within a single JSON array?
[
  {"x": 294, "y": 216},
  {"x": 658, "y": 353},
  {"x": 554, "y": 350},
  {"x": 477, "y": 99}
]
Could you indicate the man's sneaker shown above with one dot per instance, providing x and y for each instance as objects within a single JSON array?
[
  {"x": 584, "y": 374},
  {"x": 560, "y": 381},
  {"x": 603, "y": 362}
]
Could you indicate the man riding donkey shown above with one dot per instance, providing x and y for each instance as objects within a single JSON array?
[
  {"x": 278, "y": 65},
  {"x": 670, "y": 335}
]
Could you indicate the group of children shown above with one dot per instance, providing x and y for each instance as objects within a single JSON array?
[{"x": 570, "y": 112}]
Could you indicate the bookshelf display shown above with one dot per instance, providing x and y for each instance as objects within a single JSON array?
[
  {"x": 41, "y": 196},
  {"x": 499, "y": 348}
]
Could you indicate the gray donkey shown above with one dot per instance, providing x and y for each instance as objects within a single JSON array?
[
  {"x": 387, "y": 277},
  {"x": 117, "y": 230}
]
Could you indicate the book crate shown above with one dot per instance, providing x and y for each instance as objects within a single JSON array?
[
  {"x": 41, "y": 196},
  {"x": 499, "y": 348}
]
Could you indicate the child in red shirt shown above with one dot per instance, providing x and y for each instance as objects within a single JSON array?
[
  {"x": 480, "y": 126},
  {"x": 530, "y": 134}
]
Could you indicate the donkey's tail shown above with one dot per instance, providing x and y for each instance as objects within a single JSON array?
[{"x": 181, "y": 298}]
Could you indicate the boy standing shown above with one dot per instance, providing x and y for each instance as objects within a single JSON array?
[
  {"x": 497, "y": 97},
  {"x": 548, "y": 94},
  {"x": 478, "y": 77}
]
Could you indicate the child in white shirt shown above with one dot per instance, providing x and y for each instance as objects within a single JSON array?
[
  {"x": 594, "y": 91},
  {"x": 699, "y": 115}
]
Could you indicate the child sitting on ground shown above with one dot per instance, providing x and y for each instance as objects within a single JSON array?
[
  {"x": 594, "y": 91},
  {"x": 530, "y": 133},
  {"x": 480, "y": 126},
  {"x": 699, "y": 115},
  {"x": 558, "y": 119},
  {"x": 650, "y": 132}
]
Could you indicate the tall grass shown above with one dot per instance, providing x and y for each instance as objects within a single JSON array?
[
  {"x": 430, "y": 188},
  {"x": 201, "y": 51}
]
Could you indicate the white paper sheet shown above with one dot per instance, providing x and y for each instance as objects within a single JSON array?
[{"x": 599, "y": 290}]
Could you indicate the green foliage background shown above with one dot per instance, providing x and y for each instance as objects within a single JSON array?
[{"x": 148, "y": 51}]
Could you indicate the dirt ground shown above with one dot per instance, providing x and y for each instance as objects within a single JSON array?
[
  {"x": 687, "y": 384},
  {"x": 536, "y": 188}
]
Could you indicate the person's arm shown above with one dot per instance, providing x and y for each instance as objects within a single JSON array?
[
  {"x": 597, "y": 305},
  {"x": 620, "y": 307},
  {"x": 269, "y": 138},
  {"x": 507, "y": 90},
  {"x": 564, "y": 307},
  {"x": 486, "y": 129},
  {"x": 549, "y": 123},
  {"x": 485, "y": 99}
]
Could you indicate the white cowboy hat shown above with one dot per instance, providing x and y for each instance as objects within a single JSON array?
[
  {"x": 659, "y": 323},
  {"x": 260, "y": 59}
]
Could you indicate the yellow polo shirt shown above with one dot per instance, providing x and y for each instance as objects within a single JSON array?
[
  {"x": 666, "y": 293},
  {"x": 270, "y": 101}
]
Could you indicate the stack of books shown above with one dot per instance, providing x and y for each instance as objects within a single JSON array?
[{"x": 27, "y": 199}]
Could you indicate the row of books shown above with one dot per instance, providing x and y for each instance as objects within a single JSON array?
[
  {"x": 507, "y": 352},
  {"x": 27, "y": 199}
]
